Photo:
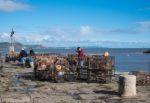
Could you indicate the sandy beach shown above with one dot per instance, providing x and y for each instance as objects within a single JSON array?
[{"x": 17, "y": 85}]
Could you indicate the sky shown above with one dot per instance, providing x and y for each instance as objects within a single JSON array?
[{"x": 58, "y": 23}]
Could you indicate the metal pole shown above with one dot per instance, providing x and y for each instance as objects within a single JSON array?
[{"x": 11, "y": 41}]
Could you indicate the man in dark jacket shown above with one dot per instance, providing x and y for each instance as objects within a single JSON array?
[
  {"x": 23, "y": 56},
  {"x": 80, "y": 56}
]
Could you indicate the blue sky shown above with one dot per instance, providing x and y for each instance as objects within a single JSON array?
[{"x": 107, "y": 23}]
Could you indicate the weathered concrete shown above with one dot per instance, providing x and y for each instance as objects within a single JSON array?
[
  {"x": 17, "y": 85},
  {"x": 15, "y": 98},
  {"x": 127, "y": 85}
]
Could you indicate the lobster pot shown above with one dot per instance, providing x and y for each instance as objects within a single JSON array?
[
  {"x": 142, "y": 77},
  {"x": 1, "y": 63},
  {"x": 127, "y": 85},
  {"x": 83, "y": 73}
]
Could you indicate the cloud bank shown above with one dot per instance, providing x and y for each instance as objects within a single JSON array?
[
  {"x": 85, "y": 29},
  {"x": 13, "y": 5},
  {"x": 144, "y": 26},
  {"x": 84, "y": 35}
]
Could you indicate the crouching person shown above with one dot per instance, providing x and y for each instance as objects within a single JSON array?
[{"x": 23, "y": 56}]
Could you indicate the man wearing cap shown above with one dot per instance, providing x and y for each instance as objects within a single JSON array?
[
  {"x": 23, "y": 56},
  {"x": 80, "y": 56}
]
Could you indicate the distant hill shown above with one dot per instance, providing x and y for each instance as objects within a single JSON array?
[
  {"x": 7, "y": 44},
  {"x": 20, "y": 45},
  {"x": 74, "y": 47},
  {"x": 35, "y": 46}
]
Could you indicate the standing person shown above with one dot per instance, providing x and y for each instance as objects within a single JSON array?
[
  {"x": 106, "y": 62},
  {"x": 80, "y": 56},
  {"x": 1, "y": 60},
  {"x": 31, "y": 52},
  {"x": 31, "y": 57},
  {"x": 23, "y": 56}
]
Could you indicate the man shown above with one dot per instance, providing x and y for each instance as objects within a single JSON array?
[
  {"x": 23, "y": 56},
  {"x": 1, "y": 60},
  {"x": 80, "y": 56},
  {"x": 31, "y": 52},
  {"x": 30, "y": 60},
  {"x": 106, "y": 61}
]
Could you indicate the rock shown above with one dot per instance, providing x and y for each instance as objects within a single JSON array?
[
  {"x": 68, "y": 92},
  {"x": 39, "y": 95},
  {"x": 98, "y": 101},
  {"x": 72, "y": 92},
  {"x": 85, "y": 90},
  {"x": 17, "y": 89},
  {"x": 147, "y": 51},
  {"x": 15, "y": 98},
  {"x": 92, "y": 96},
  {"x": 56, "y": 99}
]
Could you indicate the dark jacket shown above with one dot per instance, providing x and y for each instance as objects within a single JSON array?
[
  {"x": 23, "y": 53},
  {"x": 32, "y": 52}
]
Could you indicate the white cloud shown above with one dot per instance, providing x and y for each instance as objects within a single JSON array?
[
  {"x": 21, "y": 37},
  {"x": 146, "y": 8},
  {"x": 85, "y": 30},
  {"x": 144, "y": 26},
  {"x": 32, "y": 38},
  {"x": 12, "y": 5},
  {"x": 61, "y": 36},
  {"x": 5, "y": 35}
]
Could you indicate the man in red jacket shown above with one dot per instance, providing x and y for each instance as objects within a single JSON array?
[{"x": 80, "y": 56}]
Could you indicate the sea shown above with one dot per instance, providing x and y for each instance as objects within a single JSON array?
[{"x": 126, "y": 59}]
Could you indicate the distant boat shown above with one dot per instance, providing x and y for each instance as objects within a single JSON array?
[{"x": 147, "y": 51}]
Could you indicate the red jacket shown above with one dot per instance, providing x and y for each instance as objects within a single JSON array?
[{"x": 81, "y": 54}]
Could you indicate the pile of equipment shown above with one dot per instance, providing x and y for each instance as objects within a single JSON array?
[{"x": 60, "y": 68}]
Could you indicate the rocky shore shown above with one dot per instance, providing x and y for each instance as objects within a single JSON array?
[{"x": 17, "y": 85}]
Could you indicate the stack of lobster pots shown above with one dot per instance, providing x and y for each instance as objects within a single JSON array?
[
  {"x": 50, "y": 66},
  {"x": 11, "y": 56},
  {"x": 101, "y": 69},
  {"x": 43, "y": 62},
  {"x": 66, "y": 67},
  {"x": 142, "y": 78}
]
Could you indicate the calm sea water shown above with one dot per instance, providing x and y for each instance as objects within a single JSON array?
[{"x": 125, "y": 59}]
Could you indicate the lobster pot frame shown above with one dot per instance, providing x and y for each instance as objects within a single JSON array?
[
  {"x": 49, "y": 70},
  {"x": 1, "y": 61},
  {"x": 96, "y": 68},
  {"x": 142, "y": 78},
  {"x": 73, "y": 64},
  {"x": 11, "y": 56},
  {"x": 83, "y": 71},
  {"x": 43, "y": 75},
  {"x": 101, "y": 69},
  {"x": 42, "y": 66}
]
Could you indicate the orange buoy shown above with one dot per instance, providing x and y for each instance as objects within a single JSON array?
[{"x": 58, "y": 67}]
